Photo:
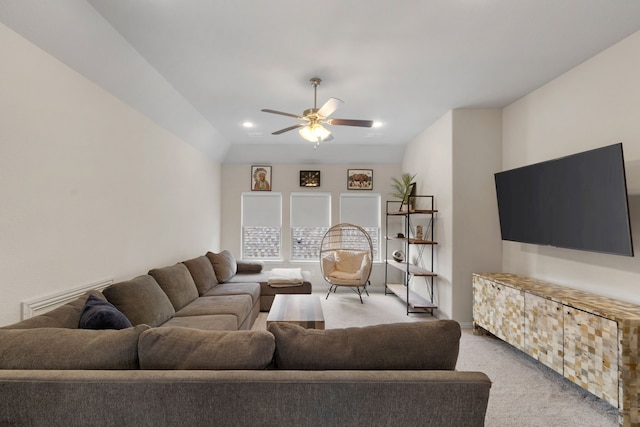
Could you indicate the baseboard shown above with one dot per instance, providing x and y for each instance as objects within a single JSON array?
[{"x": 41, "y": 305}]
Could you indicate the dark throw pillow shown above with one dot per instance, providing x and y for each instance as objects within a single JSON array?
[{"x": 99, "y": 314}]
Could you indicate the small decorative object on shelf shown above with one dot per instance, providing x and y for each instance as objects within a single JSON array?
[
  {"x": 398, "y": 256},
  {"x": 419, "y": 234},
  {"x": 403, "y": 188}
]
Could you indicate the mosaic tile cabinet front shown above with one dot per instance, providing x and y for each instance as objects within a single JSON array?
[{"x": 589, "y": 339}]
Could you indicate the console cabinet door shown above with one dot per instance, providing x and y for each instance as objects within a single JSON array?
[
  {"x": 510, "y": 309},
  {"x": 591, "y": 353},
  {"x": 500, "y": 310},
  {"x": 483, "y": 299},
  {"x": 544, "y": 334}
]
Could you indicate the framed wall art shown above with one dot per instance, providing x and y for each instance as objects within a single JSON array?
[
  {"x": 359, "y": 179},
  {"x": 309, "y": 178},
  {"x": 260, "y": 178}
]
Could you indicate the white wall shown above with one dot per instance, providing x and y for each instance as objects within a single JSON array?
[
  {"x": 89, "y": 188},
  {"x": 455, "y": 159},
  {"x": 593, "y": 105},
  {"x": 285, "y": 179},
  {"x": 477, "y": 144}
]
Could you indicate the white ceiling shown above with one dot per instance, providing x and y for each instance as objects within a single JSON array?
[{"x": 201, "y": 68}]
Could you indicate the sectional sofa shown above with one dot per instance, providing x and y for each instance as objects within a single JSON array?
[{"x": 186, "y": 358}]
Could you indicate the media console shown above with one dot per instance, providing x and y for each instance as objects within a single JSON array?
[{"x": 590, "y": 339}]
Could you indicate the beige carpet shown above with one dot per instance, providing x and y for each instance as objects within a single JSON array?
[{"x": 524, "y": 393}]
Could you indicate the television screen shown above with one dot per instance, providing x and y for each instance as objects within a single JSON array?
[{"x": 578, "y": 202}]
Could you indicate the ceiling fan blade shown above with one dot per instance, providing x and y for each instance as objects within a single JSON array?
[
  {"x": 278, "y": 132},
  {"x": 350, "y": 122},
  {"x": 329, "y": 107},
  {"x": 266, "y": 110}
]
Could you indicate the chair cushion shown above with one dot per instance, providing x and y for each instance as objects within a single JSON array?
[
  {"x": 349, "y": 261},
  {"x": 402, "y": 346},
  {"x": 100, "y": 314},
  {"x": 224, "y": 264},
  {"x": 142, "y": 300},
  {"x": 177, "y": 283},
  {"x": 60, "y": 348},
  {"x": 203, "y": 273},
  {"x": 346, "y": 267},
  {"x": 187, "y": 348}
]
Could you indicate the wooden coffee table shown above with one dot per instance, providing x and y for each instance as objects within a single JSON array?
[{"x": 300, "y": 309}]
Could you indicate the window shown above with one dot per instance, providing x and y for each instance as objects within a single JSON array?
[
  {"x": 310, "y": 220},
  {"x": 261, "y": 226},
  {"x": 363, "y": 210}
]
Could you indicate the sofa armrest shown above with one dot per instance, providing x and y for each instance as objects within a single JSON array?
[{"x": 249, "y": 266}]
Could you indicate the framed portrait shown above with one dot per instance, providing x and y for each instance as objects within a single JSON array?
[
  {"x": 359, "y": 179},
  {"x": 260, "y": 178},
  {"x": 309, "y": 178}
]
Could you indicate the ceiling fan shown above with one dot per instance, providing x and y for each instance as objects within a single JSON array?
[{"x": 312, "y": 129}]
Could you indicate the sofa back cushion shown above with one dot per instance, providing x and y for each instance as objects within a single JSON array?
[
  {"x": 141, "y": 300},
  {"x": 187, "y": 348},
  {"x": 403, "y": 346},
  {"x": 224, "y": 264},
  {"x": 203, "y": 274},
  {"x": 177, "y": 283},
  {"x": 65, "y": 316},
  {"x": 60, "y": 348}
]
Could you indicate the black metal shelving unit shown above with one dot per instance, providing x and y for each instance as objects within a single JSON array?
[{"x": 419, "y": 207}]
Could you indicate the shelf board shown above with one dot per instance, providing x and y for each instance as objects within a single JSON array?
[
  {"x": 414, "y": 211},
  {"x": 415, "y": 300},
  {"x": 413, "y": 241},
  {"x": 413, "y": 269}
]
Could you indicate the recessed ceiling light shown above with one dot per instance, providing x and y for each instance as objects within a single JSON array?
[
  {"x": 247, "y": 124},
  {"x": 377, "y": 124}
]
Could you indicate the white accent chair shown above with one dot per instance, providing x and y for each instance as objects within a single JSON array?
[{"x": 346, "y": 258}]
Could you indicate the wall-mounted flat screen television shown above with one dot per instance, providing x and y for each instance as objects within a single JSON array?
[{"x": 577, "y": 202}]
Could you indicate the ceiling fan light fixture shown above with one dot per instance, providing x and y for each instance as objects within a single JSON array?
[{"x": 314, "y": 133}]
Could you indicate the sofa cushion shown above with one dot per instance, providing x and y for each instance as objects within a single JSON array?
[
  {"x": 203, "y": 274},
  {"x": 209, "y": 322},
  {"x": 61, "y": 348},
  {"x": 420, "y": 345},
  {"x": 142, "y": 300},
  {"x": 252, "y": 289},
  {"x": 187, "y": 348},
  {"x": 177, "y": 283},
  {"x": 238, "y": 305},
  {"x": 65, "y": 316},
  {"x": 100, "y": 314},
  {"x": 224, "y": 264}
]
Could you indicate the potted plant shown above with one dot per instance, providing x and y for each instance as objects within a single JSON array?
[{"x": 402, "y": 188}]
